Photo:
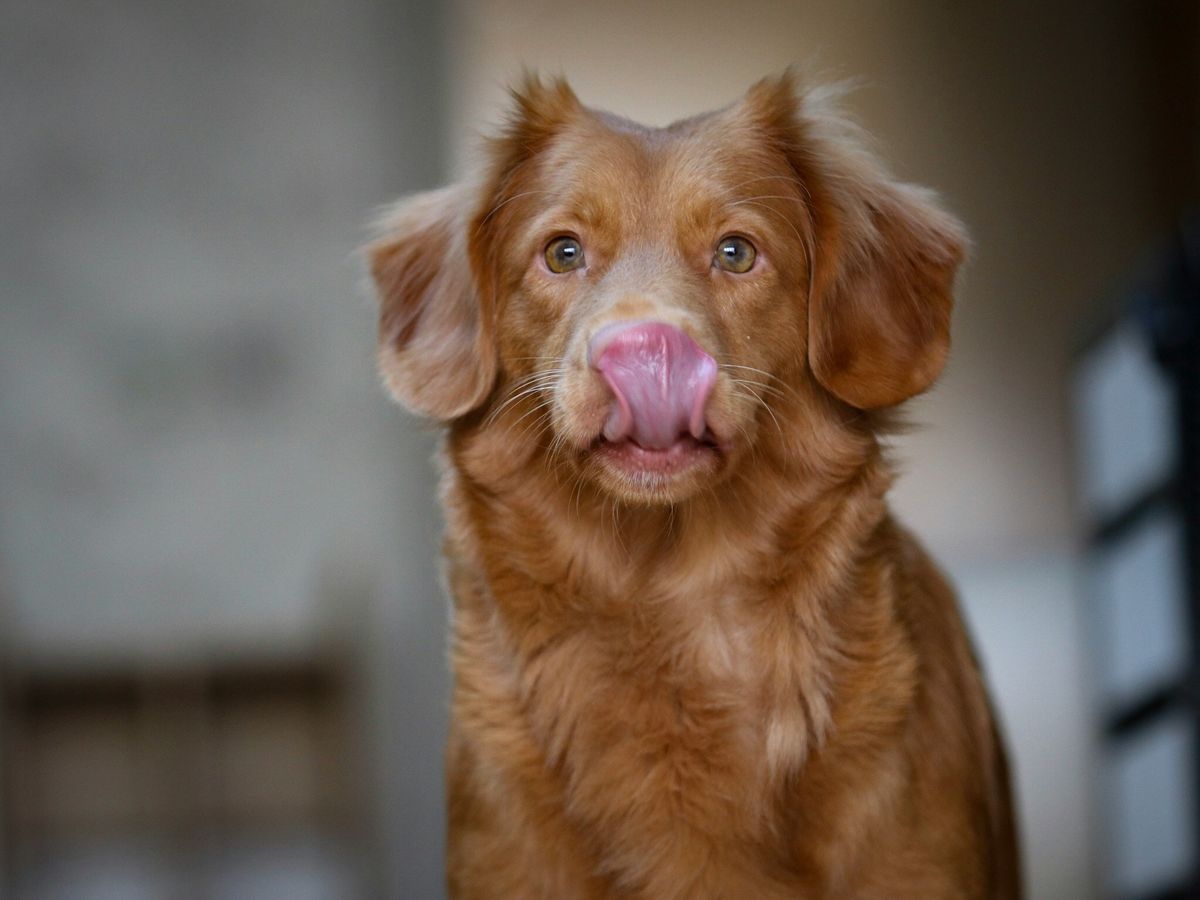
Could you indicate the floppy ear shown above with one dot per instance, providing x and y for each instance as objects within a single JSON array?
[
  {"x": 884, "y": 261},
  {"x": 879, "y": 313},
  {"x": 435, "y": 339},
  {"x": 436, "y": 266}
]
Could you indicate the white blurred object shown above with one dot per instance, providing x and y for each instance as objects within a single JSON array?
[
  {"x": 108, "y": 870},
  {"x": 1022, "y": 614},
  {"x": 1150, "y": 784},
  {"x": 305, "y": 868},
  {"x": 1126, "y": 422},
  {"x": 1140, "y": 610}
]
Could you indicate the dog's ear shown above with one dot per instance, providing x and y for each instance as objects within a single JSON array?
[
  {"x": 882, "y": 295},
  {"x": 436, "y": 352},
  {"x": 436, "y": 266},
  {"x": 539, "y": 109},
  {"x": 884, "y": 256}
]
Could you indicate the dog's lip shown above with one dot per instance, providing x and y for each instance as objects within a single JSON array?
[{"x": 686, "y": 452}]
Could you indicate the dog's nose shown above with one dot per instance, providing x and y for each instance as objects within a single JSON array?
[{"x": 660, "y": 381}]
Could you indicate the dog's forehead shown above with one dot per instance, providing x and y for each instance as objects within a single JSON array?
[{"x": 610, "y": 161}]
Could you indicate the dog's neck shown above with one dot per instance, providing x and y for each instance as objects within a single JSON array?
[{"x": 772, "y": 518}]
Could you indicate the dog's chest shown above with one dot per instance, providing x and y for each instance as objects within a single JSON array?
[{"x": 664, "y": 738}]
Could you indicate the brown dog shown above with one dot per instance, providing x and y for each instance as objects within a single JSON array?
[{"x": 695, "y": 656}]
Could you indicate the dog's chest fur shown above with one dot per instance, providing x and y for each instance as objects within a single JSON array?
[
  {"x": 661, "y": 713},
  {"x": 666, "y": 757}
]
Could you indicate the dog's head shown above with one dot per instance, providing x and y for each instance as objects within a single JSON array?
[{"x": 652, "y": 307}]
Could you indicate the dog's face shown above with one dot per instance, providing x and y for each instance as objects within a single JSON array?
[{"x": 652, "y": 307}]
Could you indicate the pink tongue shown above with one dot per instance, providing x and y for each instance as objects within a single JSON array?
[{"x": 660, "y": 380}]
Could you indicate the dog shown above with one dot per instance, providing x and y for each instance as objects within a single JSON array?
[{"x": 694, "y": 654}]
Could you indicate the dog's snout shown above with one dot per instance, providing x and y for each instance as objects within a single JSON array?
[{"x": 660, "y": 381}]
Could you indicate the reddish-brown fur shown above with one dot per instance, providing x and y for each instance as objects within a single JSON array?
[{"x": 747, "y": 681}]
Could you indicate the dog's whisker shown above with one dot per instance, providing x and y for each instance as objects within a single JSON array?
[
  {"x": 791, "y": 179},
  {"x": 777, "y": 383},
  {"x": 495, "y": 209},
  {"x": 577, "y": 494},
  {"x": 762, "y": 197},
  {"x": 543, "y": 405},
  {"x": 760, "y": 386},
  {"x": 541, "y": 422},
  {"x": 524, "y": 387},
  {"x": 761, "y": 402},
  {"x": 534, "y": 358}
]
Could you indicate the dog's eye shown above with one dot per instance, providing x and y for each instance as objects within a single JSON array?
[
  {"x": 564, "y": 254},
  {"x": 735, "y": 254}
]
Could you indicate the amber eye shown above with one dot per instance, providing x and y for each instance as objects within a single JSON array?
[
  {"x": 735, "y": 254},
  {"x": 564, "y": 254}
]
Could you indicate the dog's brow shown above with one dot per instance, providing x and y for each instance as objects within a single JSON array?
[
  {"x": 592, "y": 209},
  {"x": 792, "y": 179}
]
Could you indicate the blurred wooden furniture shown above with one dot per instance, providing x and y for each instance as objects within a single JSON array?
[{"x": 226, "y": 780}]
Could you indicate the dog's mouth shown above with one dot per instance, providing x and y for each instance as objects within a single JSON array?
[{"x": 629, "y": 457}]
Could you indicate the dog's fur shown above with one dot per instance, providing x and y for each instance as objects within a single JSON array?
[{"x": 743, "y": 680}]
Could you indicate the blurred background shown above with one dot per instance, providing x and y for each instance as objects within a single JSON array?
[{"x": 224, "y": 672}]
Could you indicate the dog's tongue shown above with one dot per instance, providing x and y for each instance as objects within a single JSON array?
[{"x": 660, "y": 381}]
